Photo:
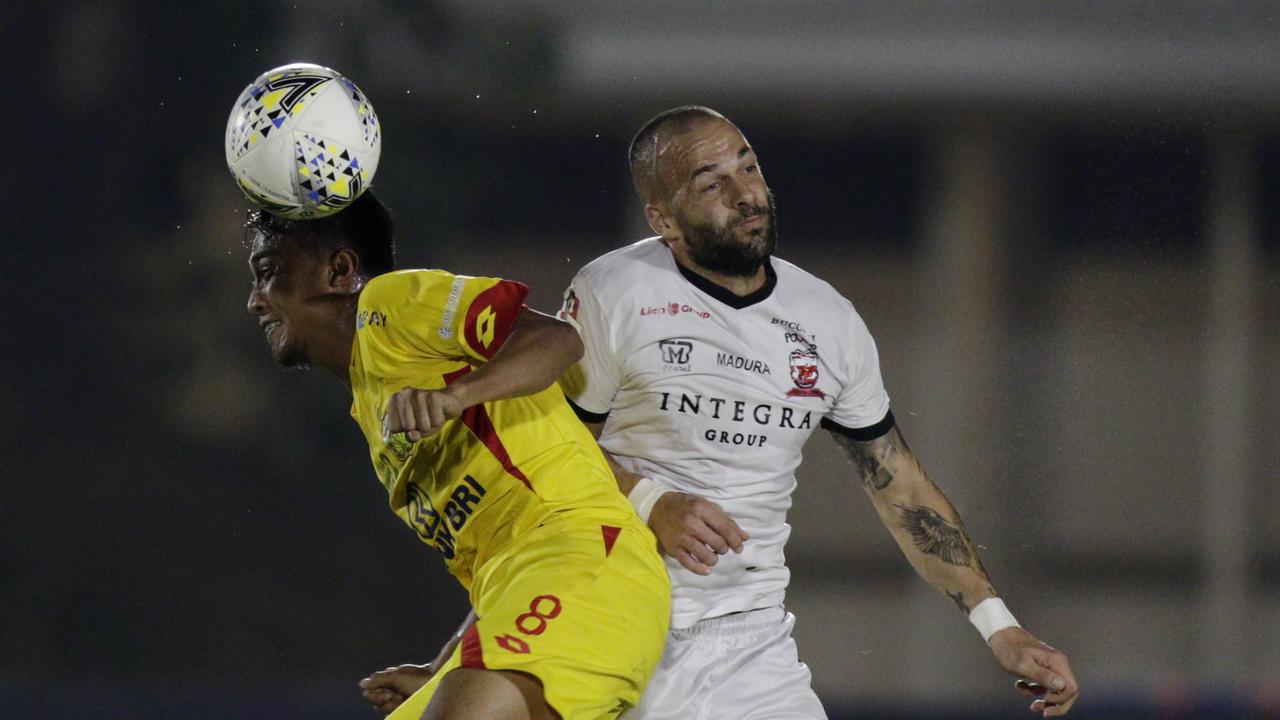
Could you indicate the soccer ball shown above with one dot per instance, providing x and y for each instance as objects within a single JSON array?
[{"x": 303, "y": 141}]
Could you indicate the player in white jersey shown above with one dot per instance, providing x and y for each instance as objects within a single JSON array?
[
  {"x": 708, "y": 364},
  {"x": 713, "y": 394}
]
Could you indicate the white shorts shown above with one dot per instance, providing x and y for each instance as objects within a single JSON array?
[{"x": 740, "y": 667}]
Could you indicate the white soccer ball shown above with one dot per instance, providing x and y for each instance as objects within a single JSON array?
[{"x": 303, "y": 141}]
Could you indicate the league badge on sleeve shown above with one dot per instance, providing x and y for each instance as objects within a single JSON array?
[{"x": 569, "y": 311}]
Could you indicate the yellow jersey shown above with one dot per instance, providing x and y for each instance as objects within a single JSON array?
[{"x": 503, "y": 468}]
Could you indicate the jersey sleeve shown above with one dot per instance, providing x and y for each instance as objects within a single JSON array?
[
  {"x": 440, "y": 315},
  {"x": 862, "y": 408},
  {"x": 486, "y": 312},
  {"x": 590, "y": 384}
]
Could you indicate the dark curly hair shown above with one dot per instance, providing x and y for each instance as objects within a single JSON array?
[{"x": 364, "y": 226}]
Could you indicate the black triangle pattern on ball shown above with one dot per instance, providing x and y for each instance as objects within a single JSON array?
[
  {"x": 298, "y": 87},
  {"x": 327, "y": 172}
]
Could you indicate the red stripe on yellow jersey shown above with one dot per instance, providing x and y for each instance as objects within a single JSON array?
[{"x": 476, "y": 487}]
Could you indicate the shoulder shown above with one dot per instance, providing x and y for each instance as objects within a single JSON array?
[
  {"x": 823, "y": 307},
  {"x": 405, "y": 286},
  {"x": 626, "y": 264},
  {"x": 804, "y": 286}
]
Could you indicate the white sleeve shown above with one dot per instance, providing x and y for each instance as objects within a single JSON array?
[
  {"x": 590, "y": 384},
  {"x": 863, "y": 402}
]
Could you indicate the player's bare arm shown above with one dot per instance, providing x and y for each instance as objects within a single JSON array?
[
  {"x": 691, "y": 529},
  {"x": 928, "y": 530},
  {"x": 538, "y": 350},
  {"x": 387, "y": 689}
]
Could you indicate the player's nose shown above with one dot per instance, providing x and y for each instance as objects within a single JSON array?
[
  {"x": 744, "y": 195},
  {"x": 255, "y": 306}
]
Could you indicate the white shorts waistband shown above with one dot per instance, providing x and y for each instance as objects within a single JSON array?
[{"x": 733, "y": 623}]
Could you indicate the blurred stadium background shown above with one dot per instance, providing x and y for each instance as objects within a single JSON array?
[{"x": 1060, "y": 220}]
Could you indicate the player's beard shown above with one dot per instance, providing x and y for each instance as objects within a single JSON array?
[
  {"x": 287, "y": 352},
  {"x": 292, "y": 359},
  {"x": 719, "y": 249}
]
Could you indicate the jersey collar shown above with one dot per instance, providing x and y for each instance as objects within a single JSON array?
[{"x": 718, "y": 292}]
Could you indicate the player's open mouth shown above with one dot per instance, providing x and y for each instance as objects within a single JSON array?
[{"x": 268, "y": 327}]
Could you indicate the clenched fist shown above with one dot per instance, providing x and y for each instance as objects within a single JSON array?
[{"x": 419, "y": 413}]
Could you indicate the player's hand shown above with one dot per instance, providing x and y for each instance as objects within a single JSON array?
[
  {"x": 694, "y": 530},
  {"x": 419, "y": 412},
  {"x": 386, "y": 689},
  {"x": 1043, "y": 673}
]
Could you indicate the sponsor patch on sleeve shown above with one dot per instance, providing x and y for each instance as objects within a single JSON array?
[{"x": 451, "y": 307}]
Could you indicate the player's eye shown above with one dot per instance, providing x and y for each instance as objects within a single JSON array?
[
  {"x": 711, "y": 186},
  {"x": 752, "y": 169}
]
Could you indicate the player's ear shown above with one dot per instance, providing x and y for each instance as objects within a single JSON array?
[
  {"x": 344, "y": 271},
  {"x": 659, "y": 221}
]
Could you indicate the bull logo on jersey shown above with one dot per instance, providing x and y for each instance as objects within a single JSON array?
[
  {"x": 676, "y": 354},
  {"x": 804, "y": 373}
]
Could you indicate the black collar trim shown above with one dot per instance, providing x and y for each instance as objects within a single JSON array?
[{"x": 722, "y": 294}]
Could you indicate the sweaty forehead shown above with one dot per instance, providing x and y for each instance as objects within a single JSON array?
[
  {"x": 282, "y": 249},
  {"x": 260, "y": 244},
  {"x": 710, "y": 142}
]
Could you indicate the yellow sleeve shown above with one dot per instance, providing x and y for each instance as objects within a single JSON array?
[{"x": 437, "y": 314}]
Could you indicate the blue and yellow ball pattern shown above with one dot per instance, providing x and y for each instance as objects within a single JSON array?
[{"x": 303, "y": 141}]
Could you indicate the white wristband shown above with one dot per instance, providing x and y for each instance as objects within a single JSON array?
[
  {"x": 991, "y": 616},
  {"x": 644, "y": 495}
]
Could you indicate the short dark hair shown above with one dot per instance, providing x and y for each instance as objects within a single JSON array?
[
  {"x": 364, "y": 226},
  {"x": 644, "y": 146}
]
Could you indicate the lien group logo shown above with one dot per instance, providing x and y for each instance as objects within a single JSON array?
[{"x": 673, "y": 309}]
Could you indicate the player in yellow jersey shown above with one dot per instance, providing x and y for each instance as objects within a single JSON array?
[{"x": 452, "y": 383}]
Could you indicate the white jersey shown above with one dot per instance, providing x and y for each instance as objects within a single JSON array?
[{"x": 714, "y": 394}]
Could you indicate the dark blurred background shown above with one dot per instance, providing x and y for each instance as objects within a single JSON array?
[{"x": 1059, "y": 220}]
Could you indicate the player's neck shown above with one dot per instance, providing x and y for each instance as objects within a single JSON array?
[
  {"x": 331, "y": 351},
  {"x": 737, "y": 284}
]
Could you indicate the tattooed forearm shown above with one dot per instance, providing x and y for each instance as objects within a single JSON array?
[
  {"x": 876, "y": 461},
  {"x": 919, "y": 516},
  {"x": 866, "y": 459},
  {"x": 934, "y": 535},
  {"x": 957, "y": 597},
  {"x": 977, "y": 560}
]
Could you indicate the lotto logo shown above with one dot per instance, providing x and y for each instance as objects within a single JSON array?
[
  {"x": 512, "y": 644},
  {"x": 485, "y": 324}
]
